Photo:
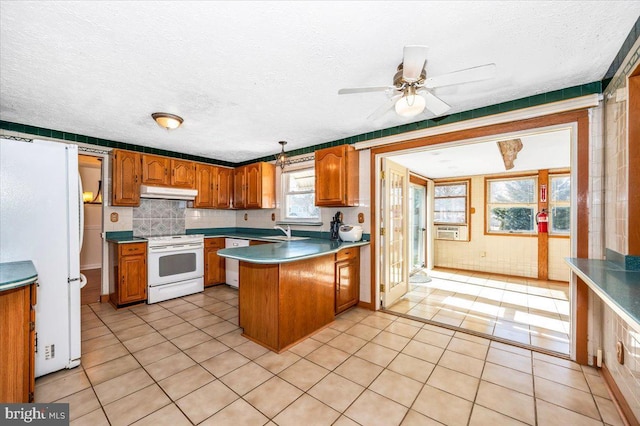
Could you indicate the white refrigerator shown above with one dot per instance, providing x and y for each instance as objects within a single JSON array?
[{"x": 40, "y": 218}]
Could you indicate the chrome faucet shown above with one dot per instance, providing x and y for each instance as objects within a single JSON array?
[{"x": 287, "y": 231}]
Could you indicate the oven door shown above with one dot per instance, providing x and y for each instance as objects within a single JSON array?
[{"x": 175, "y": 263}]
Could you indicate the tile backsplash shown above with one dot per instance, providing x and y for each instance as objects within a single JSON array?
[{"x": 159, "y": 217}]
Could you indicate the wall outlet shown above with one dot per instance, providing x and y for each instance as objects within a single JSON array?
[
  {"x": 114, "y": 217},
  {"x": 483, "y": 254}
]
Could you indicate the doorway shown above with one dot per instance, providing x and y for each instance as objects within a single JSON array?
[
  {"x": 90, "y": 169},
  {"x": 525, "y": 294}
]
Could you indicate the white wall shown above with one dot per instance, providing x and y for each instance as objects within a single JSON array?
[{"x": 559, "y": 248}]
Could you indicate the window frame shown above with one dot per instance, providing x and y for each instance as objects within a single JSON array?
[
  {"x": 284, "y": 187},
  {"x": 551, "y": 204},
  {"x": 467, "y": 183},
  {"x": 488, "y": 204}
]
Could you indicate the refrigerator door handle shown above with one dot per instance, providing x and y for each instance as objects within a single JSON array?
[{"x": 83, "y": 280}]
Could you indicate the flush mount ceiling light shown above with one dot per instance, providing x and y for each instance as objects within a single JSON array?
[
  {"x": 167, "y": 121},
  {"x": 410, "y": 104},
  {"x": 281, "y": 159}
]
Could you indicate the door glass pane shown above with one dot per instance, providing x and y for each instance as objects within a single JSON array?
[
  {"x": 396, "y": 224},
  {"x": 417, "y": 218}
]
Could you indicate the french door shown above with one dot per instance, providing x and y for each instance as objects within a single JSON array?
[{"x": 394, "y": 229}]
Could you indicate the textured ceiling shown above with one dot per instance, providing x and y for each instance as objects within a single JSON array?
[{"x": 245, "y": 75}]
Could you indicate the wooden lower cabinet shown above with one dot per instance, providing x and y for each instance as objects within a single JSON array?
[
  {"x": 18, "y": 342},
  {"x": 214, "y": 265},
  {"x": 128, "y": 277},
  {"x": 347, "y": 278},
  {"x": 281, "y": 304}
]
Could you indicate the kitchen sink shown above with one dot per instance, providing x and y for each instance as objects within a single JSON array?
[{"x": 285, "y": 238}]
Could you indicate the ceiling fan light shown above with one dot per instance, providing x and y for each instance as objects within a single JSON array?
[
  {"x": 167, "y": 121},
  {"x": 410, "y": 105}
]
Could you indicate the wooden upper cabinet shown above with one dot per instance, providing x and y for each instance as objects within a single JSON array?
[
  {"x": 239, "y": 187},
  {"x": 183, "y": 173},
  {"x": 155, "y": 170},
  {"x": 125, "y": 178},
  {"x": 255, "y": 186},
  {"x": 224, "y": 188},
  {"x": 337, "y": 173},
  {"x": 261, "y": 186},
  {"x": 206, "y": 177}
]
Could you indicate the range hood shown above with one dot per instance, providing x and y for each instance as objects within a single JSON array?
[{"x": 167, "y": 193}]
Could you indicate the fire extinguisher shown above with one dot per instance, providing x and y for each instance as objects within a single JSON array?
[{"x": 542, "y": 220}]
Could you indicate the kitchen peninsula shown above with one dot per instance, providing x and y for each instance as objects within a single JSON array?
[{"x": 288, "y": 290}]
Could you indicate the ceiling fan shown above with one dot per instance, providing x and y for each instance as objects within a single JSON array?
[{"x": 411, "y": 90}]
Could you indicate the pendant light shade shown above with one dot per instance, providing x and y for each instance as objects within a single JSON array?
[{"x": 167, "y": 121}]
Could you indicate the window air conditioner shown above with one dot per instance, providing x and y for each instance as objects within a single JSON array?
[{"x": 447, "y": 233}]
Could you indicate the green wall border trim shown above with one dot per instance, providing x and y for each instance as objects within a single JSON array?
[
  {"x": 530, "y": 101},
  {"x": 73, "y": 137},
  {"x": 626, "y": 47}
]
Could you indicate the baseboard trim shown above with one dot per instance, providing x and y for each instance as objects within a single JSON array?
[
  {"x": 366, "y": 305},
  {"x": 104, "y": 298},
  {"x": 618, "y": 398}
]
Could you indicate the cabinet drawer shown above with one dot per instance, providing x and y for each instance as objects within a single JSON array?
[
  {"x": 215, "y": 243},
  {"x": 348, "y": 253},
  {"x": 132, "y": 248}
]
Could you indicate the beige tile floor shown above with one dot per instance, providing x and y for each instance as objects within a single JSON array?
[
  {"x": 184, "y": 362},
  {"x": 526, "y": 311}
]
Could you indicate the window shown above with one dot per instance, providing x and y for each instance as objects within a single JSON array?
[
  {"x": 559, "y": 204},
  {"x": 450, "y": 203},
  {"x": 299, "y": 195},
  {"x": 511, "y": 205}
]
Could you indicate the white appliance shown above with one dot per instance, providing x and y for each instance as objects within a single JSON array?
[
  {"x": 350, "y": 232},
  {"x": 232, "y": 266},
  {"x": 40, "y": 220},
  {"x": 175, "y": 266}
]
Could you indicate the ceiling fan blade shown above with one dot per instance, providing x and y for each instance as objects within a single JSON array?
[
  {"x": 384, "y": 108},
  {"x": 482, "y": 72},
  {"x": 414, "y": 58},
  {"x": 434, "y": 103},
  {"x": 364, "y": 90}
]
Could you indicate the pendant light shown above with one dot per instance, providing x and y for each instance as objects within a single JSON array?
[{"x": 281, "y": 159}]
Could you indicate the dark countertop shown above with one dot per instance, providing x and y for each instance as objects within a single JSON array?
[
  {"x": 17, "y": 274},
  {"x": 289, "y": 251},
  {"x": 126, "y": 240},
  {"x": 617, "y": 287}
]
